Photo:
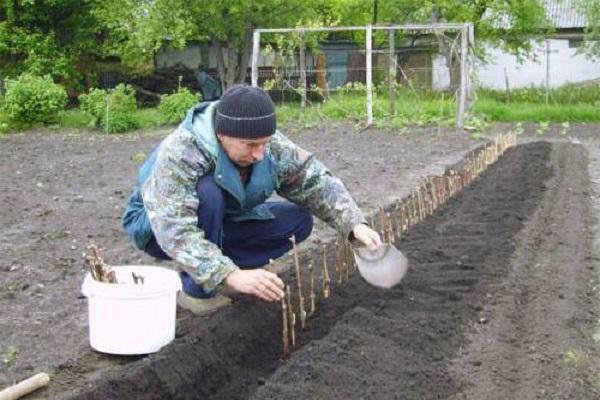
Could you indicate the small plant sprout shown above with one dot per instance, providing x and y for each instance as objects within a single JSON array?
[
  {"x": 564, "y": 128},
  {"x": 518, "y": 129},
  {"x": 542, "y": 127}
]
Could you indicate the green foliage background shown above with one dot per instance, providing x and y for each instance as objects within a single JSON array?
[{"x": 68, "y": 39}]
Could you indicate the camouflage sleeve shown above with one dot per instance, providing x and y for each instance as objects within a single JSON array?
[
  {"x": 171, "y": 202},
  {"x": 305, "y": 181}
]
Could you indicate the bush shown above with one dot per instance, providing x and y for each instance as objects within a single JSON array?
[
  {"x": 112, "y": 110},
  {"x": 173, "y": 107},
  {"x": 32, "y": 100}
]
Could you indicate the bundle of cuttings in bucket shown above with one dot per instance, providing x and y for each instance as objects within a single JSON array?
[{"x": 100, "y": 271}]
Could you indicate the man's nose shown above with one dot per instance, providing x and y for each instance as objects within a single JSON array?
[{"x": 258, "y": 153}]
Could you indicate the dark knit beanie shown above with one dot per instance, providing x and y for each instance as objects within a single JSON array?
[{"x": 245, "y": 112}]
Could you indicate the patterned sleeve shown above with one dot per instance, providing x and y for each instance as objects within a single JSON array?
[
  {"x": 305, "y": 181},
  {"x": 171, "y": 202}
]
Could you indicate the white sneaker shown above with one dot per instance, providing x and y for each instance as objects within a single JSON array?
[{"x": 202, "y": 306}]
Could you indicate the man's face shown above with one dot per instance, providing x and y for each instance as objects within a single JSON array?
[{"x": 244, "y": 152}]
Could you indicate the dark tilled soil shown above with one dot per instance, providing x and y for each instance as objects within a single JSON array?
[
  {"x": 471, "y": 272},
  {"x": 499, "y": 301},
  {"x": 62, "y": 191}
]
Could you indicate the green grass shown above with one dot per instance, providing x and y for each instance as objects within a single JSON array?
[
  {"x": 410, "y": 109},
  {"x": 494, "y": 110},
  {"x": 149, "y": 118},
  {"x": 437, "y": 108},
  {"x": 75, "y": 118},
  {"x": 570, "y": 103},
  {"x": 568, "y": 94}
]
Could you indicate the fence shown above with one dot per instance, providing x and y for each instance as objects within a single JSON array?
[{"x": 313, "y": 64}]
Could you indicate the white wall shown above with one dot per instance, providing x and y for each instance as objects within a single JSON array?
[
  {"x": 441, "y": 74},
  {"x": 565, "y": 66}
]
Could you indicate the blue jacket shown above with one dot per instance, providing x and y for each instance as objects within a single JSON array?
[
  {"x": 165, "y": 202},
  {"x": 242, "y": 202}
]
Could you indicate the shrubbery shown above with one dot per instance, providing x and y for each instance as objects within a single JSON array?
[
  {"x": 173, "y": 107},
  {"x": 31, "y": 100},
  {"x": 112, "y": 110}
]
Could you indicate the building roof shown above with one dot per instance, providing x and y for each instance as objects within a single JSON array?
[{"x": 564, "y": 14}]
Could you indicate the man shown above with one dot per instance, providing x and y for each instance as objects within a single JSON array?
[
  {"x": 209, "y": 87},
  {"x": 201, "y": 200}
]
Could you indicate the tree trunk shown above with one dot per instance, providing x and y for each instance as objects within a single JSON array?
[
  {"x": 233, "y": 67},
  {"x": 220, "y": 64},
  {"x": 244, "y": 57}
]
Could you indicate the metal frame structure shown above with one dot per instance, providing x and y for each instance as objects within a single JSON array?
[{"x": 467, "y": 40}]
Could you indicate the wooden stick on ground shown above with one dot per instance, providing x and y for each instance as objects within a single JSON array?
[
  {"x": 25, "y": 387},
  {"x": 291, "y": 317},
  {"x": 347, "y": 259},
  {"x": 293, "y": 328},
  {"x": 284, "y": 325},
  {"x": 325, "y": 279},
  {"x": 382, "y": 223},
  {"x": 311, "y": 271},
  {"x": 339, "y": 260},
  {"x": 299, "y": 284},
  {"x": 390, "y": 229}
]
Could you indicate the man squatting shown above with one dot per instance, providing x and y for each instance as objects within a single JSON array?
[{"x": 201, "y": 198}]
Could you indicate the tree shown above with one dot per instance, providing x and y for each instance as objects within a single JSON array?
[
  {"x": 507, "y": 23},
  {"x": 54, "y": 37},
  {"x": 142, "y": 27},
  {"x": 591, "y": 9}
]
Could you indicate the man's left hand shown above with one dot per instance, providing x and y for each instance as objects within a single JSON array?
[{"x": 366, "y": 236}]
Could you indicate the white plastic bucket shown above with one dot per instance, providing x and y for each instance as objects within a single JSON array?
[{"x": 125, "y": 318}]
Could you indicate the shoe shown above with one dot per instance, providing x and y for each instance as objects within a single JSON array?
[{"x": 199, "y": 306}]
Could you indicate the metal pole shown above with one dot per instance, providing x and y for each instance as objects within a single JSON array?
[
  {"x": 462, "y": 99},
  {"x": 470, "y": 69},
  {"x": 392, "y": 73},
  {"x": 255, "y": 52},
  {"x": 303, "y": 71},
  {"x": 369, "y": 77},
  {"x": 547, "y": 70},
  {"x": 408, "y": 27}
]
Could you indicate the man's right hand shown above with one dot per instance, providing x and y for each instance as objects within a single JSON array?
[{"x": 256, "y": 282}]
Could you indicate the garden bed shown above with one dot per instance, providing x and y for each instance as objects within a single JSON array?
[{"x": 471, "y": 262}]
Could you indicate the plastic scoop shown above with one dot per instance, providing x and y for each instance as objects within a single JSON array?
[{"x": 383, "y": 267}]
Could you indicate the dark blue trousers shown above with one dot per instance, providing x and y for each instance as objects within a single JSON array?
[{"x": 250, "y": 244}]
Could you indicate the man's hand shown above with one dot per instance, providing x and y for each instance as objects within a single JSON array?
[
  {"x": 256, "y": 282},
  {"x": 366, "y": 236}
]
